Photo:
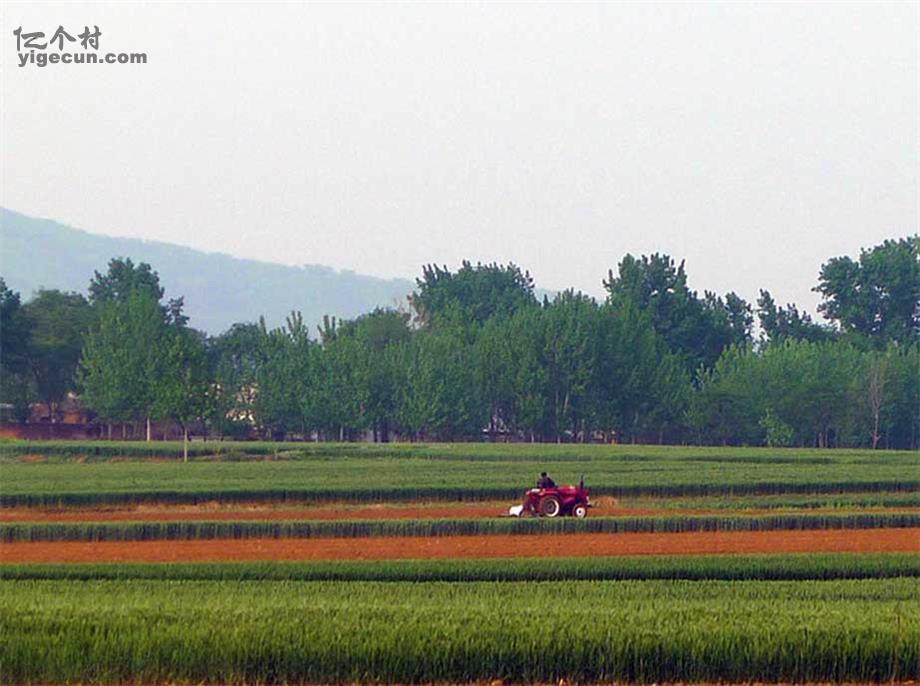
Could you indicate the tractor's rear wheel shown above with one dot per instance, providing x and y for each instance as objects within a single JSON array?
[
  {"x": 550, "y": 506},
  {"x": 580, "y": 511}
]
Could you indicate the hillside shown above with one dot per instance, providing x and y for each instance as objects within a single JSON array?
[{"x": 218, "y": 289}]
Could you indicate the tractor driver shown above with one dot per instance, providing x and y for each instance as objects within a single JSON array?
[{"x": 545, "y": 482}]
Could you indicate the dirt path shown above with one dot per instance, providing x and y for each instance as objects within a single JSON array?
[
  {"x": 574, "y": 545},
  {"x": 268, "y": 512},
  {"x": 460, "y": 511},
  {"x": 254, "y": 512}
]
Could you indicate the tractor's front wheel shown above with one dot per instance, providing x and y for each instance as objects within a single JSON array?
[
  {"x": 550, "y": 506},
  {"x": 580, "y": 511}
]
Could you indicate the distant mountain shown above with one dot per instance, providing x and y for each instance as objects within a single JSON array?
[{"x": 219, "y": 290}]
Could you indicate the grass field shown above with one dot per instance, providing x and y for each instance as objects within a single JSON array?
[
  {"x": 535, "y": 614},
  {"x": 203, "y": 530},
  {"x": 700, "y": 567},
  {"x": 155, "y": 631},
  {"x": 481, "y": 452},
  {"x": 363, "y": 473}
]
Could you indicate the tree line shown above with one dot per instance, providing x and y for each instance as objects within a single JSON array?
[{"x": 476, "y": 355}]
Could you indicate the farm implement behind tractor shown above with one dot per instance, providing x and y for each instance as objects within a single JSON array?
[{"x": 557, "y": 501}]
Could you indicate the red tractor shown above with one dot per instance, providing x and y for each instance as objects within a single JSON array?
[{"x": 558, "y": 501}]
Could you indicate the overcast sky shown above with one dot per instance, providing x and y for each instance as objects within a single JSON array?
[{"x": 754, "y": 140}]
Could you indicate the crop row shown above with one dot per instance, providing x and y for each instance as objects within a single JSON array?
[
  {"x": 713, "y": 496},
  {"x": 693, "y": 567},
  {"x": 241, "y": 632},
  {"x": 811, "y": 501},
  {"x": 383, "y": 479},
  {"x": 202, "y": 530},
  {"x": 213, "y": 494},
  {"x": 230, "y": 450}
]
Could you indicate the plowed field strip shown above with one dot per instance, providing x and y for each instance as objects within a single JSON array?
[
  {"x": 575, "y": 545},
  {"x": 325, "y": 513},
  {"x": 189, "y": 514},
  {"x": 319, "y": 514}
]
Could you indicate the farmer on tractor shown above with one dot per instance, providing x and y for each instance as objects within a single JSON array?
[
  {"x": 550, "y": 500},
  {"x": 545, "y": 482}
]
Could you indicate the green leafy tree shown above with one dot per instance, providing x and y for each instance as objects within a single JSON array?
[
  {"x": 891, "y": 391},
  {"x": 234, "y": 359},
  {"x": 643, "y": 385},
  {"x": 441, "y": 399},
  {"x": 123, "y": 278},
  {"x": 57, "y": 323},
  {"x": 727, "y": 404},
  {"x": 670, "y": 396},
  {"x": 730, "y": 321},
  {"x": 778, "y": 433},
  {"x": 696, "y": 329},
  {"x": 780, "y": 324},
  {"x": 17, "y": 386},
  {"x": 122, "y": 359},
  {"x": 571, "y": 338},
  {"x": 811, "y": 388},
  {"x": 282, "y": 375},
  {"x": 479, "y": 292},
  {"x": 495, "y": 374},
  {"x": 14, "y": 332},
  {"x": 527, "y": 339},
  {"x": 182, "y": 388},
  {"x": 739, "y": 318},
  {"x": 819, "y": 401},
  {"x": 337, "y": 396},
  {"x": 377, "y": 337},
  {"x": 877, "y": 296}
]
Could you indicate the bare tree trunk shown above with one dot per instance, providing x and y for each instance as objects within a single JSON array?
[
  {"x": 185, "y": 444},
  {"x": 149, "y": 432}
]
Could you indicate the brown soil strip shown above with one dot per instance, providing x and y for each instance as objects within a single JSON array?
[
  {"x": 266, "y": 512},
  {"x": 385, "y": 548},
  {"x": 190, "y": 514},
  {"x": 249, "y": 513}
]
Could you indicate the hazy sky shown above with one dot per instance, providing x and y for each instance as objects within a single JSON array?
[{"x": 754, "y": 140}]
